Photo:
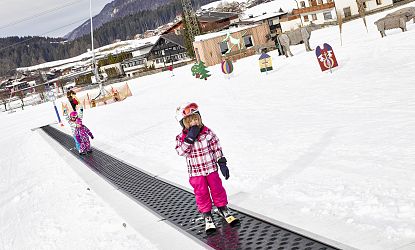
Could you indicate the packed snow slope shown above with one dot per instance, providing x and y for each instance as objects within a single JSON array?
[
  {"x": 331, "y": 153},
  {"x": 43, "y": 203}
]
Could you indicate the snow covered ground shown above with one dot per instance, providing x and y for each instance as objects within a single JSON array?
[{"x": 332, "y": 154}]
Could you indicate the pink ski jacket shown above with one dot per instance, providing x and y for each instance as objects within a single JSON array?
[{"x": 203, "y": 155}]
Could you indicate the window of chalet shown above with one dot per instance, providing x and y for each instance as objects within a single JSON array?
[
  {"x": 364, "y": 5},
  {"x": 378, "y": 2},
  {"x": 314, "y": 16},
  {"x": 327, "y": 16},
  {"x": 248, "y": 41},
  {"x": 302, "y": 4},
  {"x": 320, "y": 1},
  {"x": 347, "y": 12},
  {"x": 306, "y": 18},
  {"x": 223, "y": 47}
]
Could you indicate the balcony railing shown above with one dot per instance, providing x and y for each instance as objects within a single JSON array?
[{"x": 316, "y": 8}]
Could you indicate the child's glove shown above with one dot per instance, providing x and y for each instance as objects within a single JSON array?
[
  {"x": 223, "y": 168},
  {"x": 192, "y": 134}
]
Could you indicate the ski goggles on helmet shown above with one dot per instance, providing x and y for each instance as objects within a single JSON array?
[{"x": 190, "y": 109}]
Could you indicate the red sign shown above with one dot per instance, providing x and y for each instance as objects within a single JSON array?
[{"x": 326, "y": 57}]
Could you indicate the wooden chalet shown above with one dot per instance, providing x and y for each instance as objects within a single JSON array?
[
  {"x": 168, "y": 49},
  {"x": 234, "y": 43}
]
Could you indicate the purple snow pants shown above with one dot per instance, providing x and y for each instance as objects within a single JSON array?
[{"x": 201, "y": 186}]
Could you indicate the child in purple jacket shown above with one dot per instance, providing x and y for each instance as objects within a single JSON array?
[{"x": 82, "y": 134}]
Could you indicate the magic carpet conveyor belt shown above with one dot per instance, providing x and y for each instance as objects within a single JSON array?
[{"x": 178, "y": 206}]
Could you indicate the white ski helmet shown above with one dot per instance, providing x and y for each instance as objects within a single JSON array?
[{"x": 185, "y": 110}]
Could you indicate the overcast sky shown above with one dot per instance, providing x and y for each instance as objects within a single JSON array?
[{"x": 44, "y": 17}]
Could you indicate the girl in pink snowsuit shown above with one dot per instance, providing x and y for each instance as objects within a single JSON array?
[
  {"x": 203, "y": 154},
  {"x": 82, "y": 134}
]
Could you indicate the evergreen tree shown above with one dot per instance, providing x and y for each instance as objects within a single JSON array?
[{"x": 188, "y": 42}]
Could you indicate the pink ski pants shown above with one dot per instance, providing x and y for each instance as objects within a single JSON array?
[{"x": 201, "y": 186}]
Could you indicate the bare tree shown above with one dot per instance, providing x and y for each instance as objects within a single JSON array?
[
  {"x": 362, "y": 12},
  {"x": 20, "y": 94},
  {"x": 41, "y": 89},
  {"x": 340, "y": 22},
  {"x": 4, "y": 95}
]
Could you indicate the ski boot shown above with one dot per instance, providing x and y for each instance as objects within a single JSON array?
[
  {"x": 209, "y": 224},
  {"x": 226, "y": 214}
]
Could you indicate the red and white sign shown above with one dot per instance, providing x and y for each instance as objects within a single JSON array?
[{"x": 326, "y": 57}]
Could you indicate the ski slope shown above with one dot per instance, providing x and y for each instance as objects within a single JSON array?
[{"x": 332, "y": 154}]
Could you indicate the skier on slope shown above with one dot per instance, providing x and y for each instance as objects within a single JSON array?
[
  {"x": 82, "y": 134},
  {"x": 203, "y": 154},
  {"x": 71, "y": 118}
]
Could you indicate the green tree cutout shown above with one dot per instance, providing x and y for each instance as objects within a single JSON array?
[
  {"x": 199, "y": 70},
  {"x": 195, "y": 70}
]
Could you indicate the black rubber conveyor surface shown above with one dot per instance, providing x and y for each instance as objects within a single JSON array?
[{"x": 179, "y": 208}]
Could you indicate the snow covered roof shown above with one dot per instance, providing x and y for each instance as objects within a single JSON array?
[
  {"x": 177, "y": 39},
  {"x": 55, "y": 63},
  {"x": 271, "y": 7},
  {"x": 215, "y": 4},
  {"x": 117, "y": 47},
  {"x": 222, "y": 33},
  {"x": 213, "y": 16},
  {"x": 70, "y": 65},
  {"x": 263, "y": 17}
]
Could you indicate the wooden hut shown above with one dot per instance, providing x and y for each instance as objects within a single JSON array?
[{"x": 235, "y": 43}]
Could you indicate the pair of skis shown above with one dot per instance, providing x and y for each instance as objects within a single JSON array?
[{"x": 210, "y": 226}]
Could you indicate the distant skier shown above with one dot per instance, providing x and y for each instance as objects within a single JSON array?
[
  {"x": 73, "y": 100},
  {"x": 203, "y": 154},
  {"x": 82, "y": 134},
  {"x": 71, "y": 118}
]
